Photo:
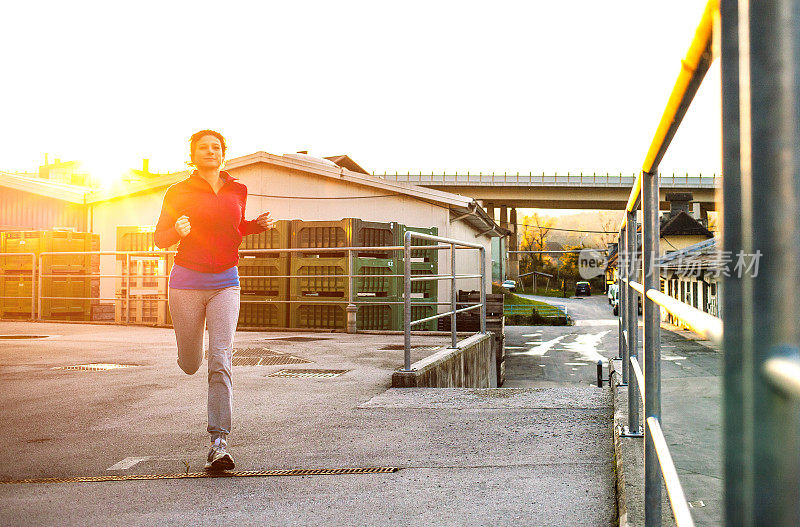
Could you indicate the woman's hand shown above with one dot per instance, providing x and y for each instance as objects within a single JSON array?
[
  {"x": 183, "y": 227},
  {"x": 265, "y": 221}
]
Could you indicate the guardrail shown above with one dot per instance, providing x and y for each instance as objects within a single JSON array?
[
  {"x": 568, "y": 179},
  {"x": 37, "y": 275},
  {"x": 759, "y": 48},
  {"x": 408, "y": 322},
  {"x": 645, "y": 387}
]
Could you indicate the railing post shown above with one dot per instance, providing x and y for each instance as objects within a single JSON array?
[
  {"x": 482, "y": 289},
  {"x": 770, "y": 160},
  {"x": 651, "y": 343},
  {"x": 407, "y": 300},
  {"x": 632, "y": 319},
  {"x": 33, "y": 286},
  {"x": 128, "y": 288},
  {"x": 38, "y": 286},
  {"x": 352, "y": 309},
  {"x": 735, "y": 293},
  {"x": 622, "y": 266},
  {"x": 453, "y": 287}
]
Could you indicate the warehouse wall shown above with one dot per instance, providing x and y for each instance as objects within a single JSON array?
[{"x": 26, "y": 211}]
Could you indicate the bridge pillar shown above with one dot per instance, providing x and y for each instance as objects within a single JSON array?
[
  {"x": 513, "y": 245},
  {"x": 489, "y": 209}
]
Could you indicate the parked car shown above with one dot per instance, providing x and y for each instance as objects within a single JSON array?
[
  {"x": 613, "y": 291},
  {"x": 583, "y": 288},
  {"x": 509, "y": 284}
]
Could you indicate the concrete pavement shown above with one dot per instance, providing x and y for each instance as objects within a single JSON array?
[{"x": 515, "y": 456}]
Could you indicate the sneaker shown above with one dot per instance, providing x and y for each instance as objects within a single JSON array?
[{"x": 218, "y": 457}]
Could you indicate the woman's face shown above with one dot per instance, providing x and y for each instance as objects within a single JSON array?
[{"x": 207, "y": 153}]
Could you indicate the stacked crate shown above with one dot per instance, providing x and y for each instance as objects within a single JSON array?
[
  {"x": 65, "y": 278},
  {"x": 263, "y": 299},
  {"x": 17, "y": 277},
  {"x": 423, "y": 262},
  {"x": 370, "y": 267},
  {"x": 321, "y": 302},
  {"x": 141, "y": 295}
]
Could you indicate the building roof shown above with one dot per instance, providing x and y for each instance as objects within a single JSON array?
[
  {"x": 677, "y": 224},
  {"x": 44, "y": 187},
  {"x": 461, "y": 207},
  {"x": 701, "y": 255},
  {"x": 344, "y": 161},
  {"x": 683, "y": 224}
]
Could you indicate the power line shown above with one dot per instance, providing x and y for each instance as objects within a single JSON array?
[
  {"x": 563, "y": 230},
  {"x": 319, "y": 197},
  {"x": 571, "y": 230}
]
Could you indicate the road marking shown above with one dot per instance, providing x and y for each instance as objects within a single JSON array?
[
  {"x": 575, "y": 364},
  {"x": 128, "y": 462},
  {"x": 540, "y": 348},
  {"x": 586, "y": 345},
  {"x": 673, "y": 357},
  {"x": 533, "y": 334},
  {"x": 598, "y": 322},
  {"x": 515, "y": 347}
]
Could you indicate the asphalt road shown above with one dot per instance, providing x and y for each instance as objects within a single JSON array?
[{"x": 547, "y": 356}]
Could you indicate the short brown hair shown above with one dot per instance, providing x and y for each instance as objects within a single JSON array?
[{"x": 202, "y": 133}]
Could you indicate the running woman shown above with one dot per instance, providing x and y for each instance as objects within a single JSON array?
[{"x": 205, "y": 213}]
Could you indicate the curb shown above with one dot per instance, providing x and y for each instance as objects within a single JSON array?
[{"x": 619, "y": 484}]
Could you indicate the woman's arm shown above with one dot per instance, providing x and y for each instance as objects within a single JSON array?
[
  {"x": 166, "y": 235},
  {"x": 252, "y": 226}
]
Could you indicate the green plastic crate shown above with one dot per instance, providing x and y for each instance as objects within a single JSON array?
[
  {"x": 276, "y": 238},
  {"x": 66, "y": 308},
  {"x": 307, "y": 281},
  {"x": 256, "y": 311},
  {"x": 263, "y": 269},
  {"x": 322, "y": 316},
  {"x": 371, "y": 277},
  {"x": 418, "y": 255},
  {"x": 22, "y": 286},
  {"x": 49, "y": 241},
  {"x": 417, "y": 312},
  {"x": 347, "y": 232}
]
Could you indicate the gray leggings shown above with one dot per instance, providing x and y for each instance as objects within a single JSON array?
[{"x": 190, "y": 309}]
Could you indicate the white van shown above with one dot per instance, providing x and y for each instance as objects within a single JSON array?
[{"x": 613, "y": 291}]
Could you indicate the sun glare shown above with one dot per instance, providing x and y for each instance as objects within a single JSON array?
[{"x": 104, "y": 172}]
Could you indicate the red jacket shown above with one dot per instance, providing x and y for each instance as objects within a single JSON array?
[{"x": 217, "y": 222}]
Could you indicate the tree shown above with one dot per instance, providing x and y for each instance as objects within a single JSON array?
[{"x": 534, "y": 235}]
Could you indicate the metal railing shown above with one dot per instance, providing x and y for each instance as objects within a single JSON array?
[
  {"x": 408, "y": 322},
  {"x": 352, "y": 300},
  {"x": 759, "y": 46},
  {"x": 644, "y": 387}
]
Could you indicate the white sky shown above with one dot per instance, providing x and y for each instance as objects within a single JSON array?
[{"x": 407, "y": 86}]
